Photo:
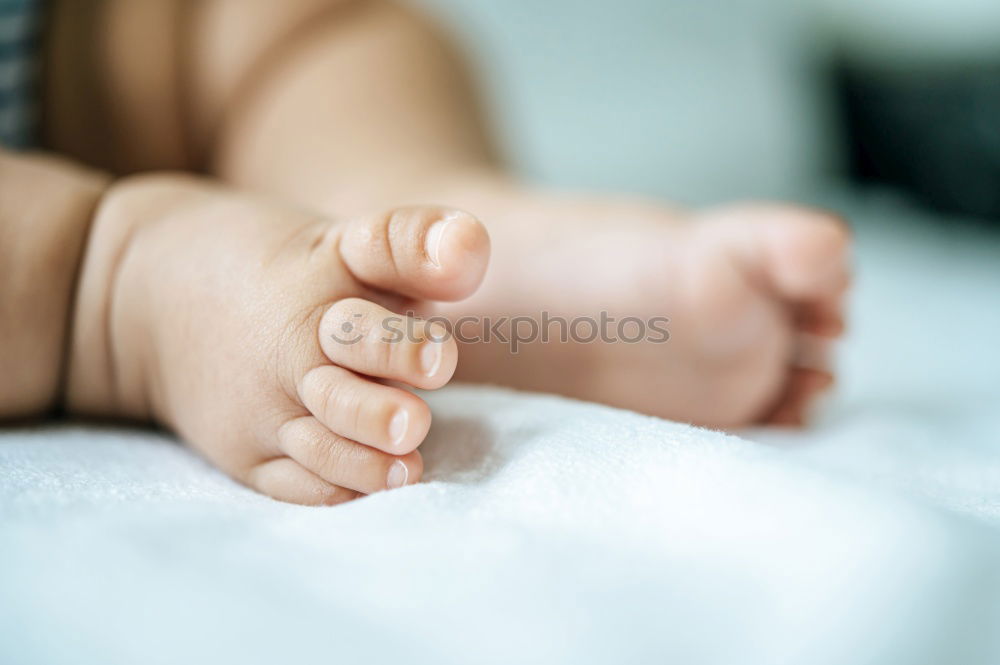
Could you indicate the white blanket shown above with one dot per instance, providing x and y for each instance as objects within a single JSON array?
[{"x": 554, "y": 531}]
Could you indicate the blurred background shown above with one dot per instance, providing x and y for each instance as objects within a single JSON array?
[{"x": 700, "y": 101}]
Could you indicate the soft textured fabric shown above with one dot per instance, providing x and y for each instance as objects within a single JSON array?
[
  {"x": 20, "y": 22},
  {"x": 554, "y": 531}
]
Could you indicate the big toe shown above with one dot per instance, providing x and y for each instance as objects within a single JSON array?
[
  {"x": 429, "y": 253},
  {"x": 802, "y": 253},
  {"x": 808, "y": 255}
]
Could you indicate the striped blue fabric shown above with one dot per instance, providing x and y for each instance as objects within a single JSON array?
[{"x": 20, "y": 23}]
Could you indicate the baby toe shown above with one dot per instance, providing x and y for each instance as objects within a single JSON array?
[
  {"x": 801, "y": 253},
  {"x": 808, "y": 254},
  {"x": 803, "y": 388},
  {"x": 421, "y": 252},
  {"x": 384, "y": 417},
  {"x": 286, "y": 480},
  {"x": 369, "y": 339},
  {"x": 823, "y": 317},
  {"x": 343, "y": 462}
]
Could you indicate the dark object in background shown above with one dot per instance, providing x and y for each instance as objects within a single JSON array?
[{"x": 933, "y": 131}]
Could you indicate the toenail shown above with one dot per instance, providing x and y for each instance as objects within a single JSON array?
[
  {"x": 397, "y": 426},
  {"x": 430, "y": 358},
  {"x": 432, "y": 241},
  {"x": 398, "y": 473}
]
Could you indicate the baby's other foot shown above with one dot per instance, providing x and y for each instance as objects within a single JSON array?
[
  {"x": 754, "y": 294},
  {"x": 273, "y": 342},
  {"x": 767, "y": 289}
]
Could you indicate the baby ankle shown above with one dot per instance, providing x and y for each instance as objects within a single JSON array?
[{"x": 104, "y": 377}]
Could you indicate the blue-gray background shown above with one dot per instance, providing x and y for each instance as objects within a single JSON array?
[{"x": 692, "y": 100}]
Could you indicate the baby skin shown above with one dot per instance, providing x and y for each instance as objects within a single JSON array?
[
  {"x": 254, "y": 326},
  {"x": 255, "y": 331},
  {"x": 754, "y": 295}
]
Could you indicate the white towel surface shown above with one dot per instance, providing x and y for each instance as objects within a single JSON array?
[{"x": 554, "y": 531}]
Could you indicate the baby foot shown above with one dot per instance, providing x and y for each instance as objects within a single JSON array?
[
  {"x": 753, "y": 294},
  {"x": 268, "y": 339},
  {"x": 767, "y": 291}
]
